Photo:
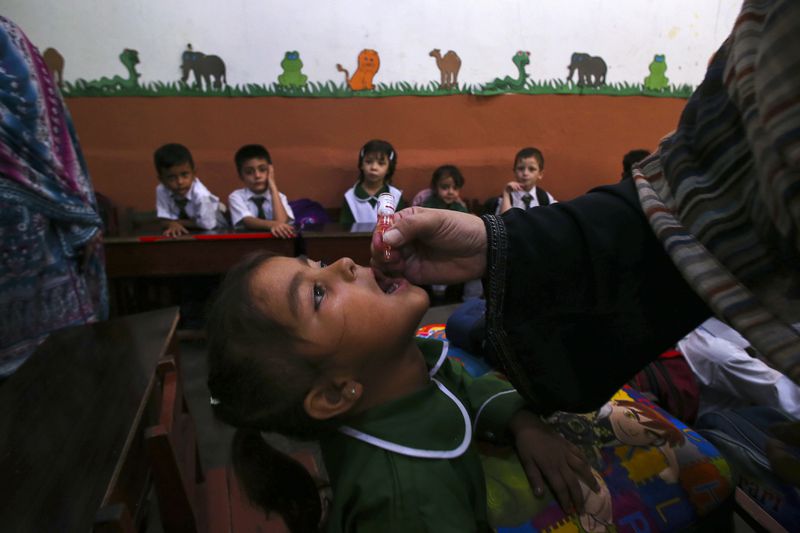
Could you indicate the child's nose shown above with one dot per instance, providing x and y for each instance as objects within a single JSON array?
[{"x": 347, "y": 268}]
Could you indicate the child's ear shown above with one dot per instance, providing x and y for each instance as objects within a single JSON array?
[{"x": 331, "y": 398}]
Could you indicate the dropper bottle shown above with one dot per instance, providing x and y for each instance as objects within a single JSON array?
[{"x": 386, "y": 208}]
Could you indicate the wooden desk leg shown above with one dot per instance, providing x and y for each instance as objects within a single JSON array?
[{"x": 113, "y": 518}]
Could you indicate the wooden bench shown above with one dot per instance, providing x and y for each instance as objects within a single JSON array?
[{"x": 71, "y": 426}]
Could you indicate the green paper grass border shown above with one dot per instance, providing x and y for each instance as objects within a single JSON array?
[{"x": 329, "y": 89}]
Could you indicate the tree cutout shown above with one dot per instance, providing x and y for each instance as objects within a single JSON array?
[
  {"x": 657, "y": 80},
  {"x": 55, "y": 64},
  {"x": 591, "y": 70},
  {"x": 292, "y": 67},
  {"x": 449, "y": 65},
  {"x": 521, "y": 59},
  {"x": 204, "y": 68},
  {"x": 368, "y": 64}
]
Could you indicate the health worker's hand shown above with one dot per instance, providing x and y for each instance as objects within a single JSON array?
[{"x": 431, "y": 246}]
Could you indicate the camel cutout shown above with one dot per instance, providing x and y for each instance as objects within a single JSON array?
[{"x": 449, "y": 65}]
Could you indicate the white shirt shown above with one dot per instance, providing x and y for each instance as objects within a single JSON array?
[
  {"x": 202, "y": 206},
  {"x": 516, "y": 199},
  {"x": 362, "y": 209},
  {"x": 730, "y": 377},
  {"x": 241, "y": 205}
]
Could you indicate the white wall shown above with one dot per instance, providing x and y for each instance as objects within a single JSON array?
[{"x": 252, "y": 35}]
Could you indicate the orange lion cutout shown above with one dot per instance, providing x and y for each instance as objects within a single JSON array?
[{"x": 368, "y": 64}]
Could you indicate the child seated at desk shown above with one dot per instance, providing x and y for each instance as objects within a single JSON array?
[
  {"x": 182, "y": 201},
  {"x": 377, "y": 161},
  {"x": 524, "y": 192},
  {"x": 259, "y": 205},
  {"x": 394, "y": 415},
  {"x": 446, "y": 185}
]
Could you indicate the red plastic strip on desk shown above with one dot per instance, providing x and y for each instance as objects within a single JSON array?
[
  {"x": 212, "y": 237},
  {"x": 233, "y": 236}
]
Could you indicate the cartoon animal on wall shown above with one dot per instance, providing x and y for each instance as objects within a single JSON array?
[
  {"x": 657, "y": 80},
  {"x": 449, "y": 65},
  {"x": 292, "y": 67},
  {"x": 521, "y": 59},
  {"x": 129, "y": 59},
  {"x": 55, "y": 64},
  {"x": 591, "y": 70},
  {"x": 204, "y": 68},
  {"x": 368, "y": 64}
]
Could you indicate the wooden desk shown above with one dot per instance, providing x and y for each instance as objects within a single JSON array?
[
  {"x": 214, "y": 253},
  {"x": 334, "y": 241},
  {"x": 141, "y": 269},
  {"x": 71, "y": 419},
  {"x": 203, "y": 253}
]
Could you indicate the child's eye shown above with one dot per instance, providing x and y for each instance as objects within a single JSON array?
[
  {"x": 322, "y": 263},
  {"x": 319, "y": 294}
]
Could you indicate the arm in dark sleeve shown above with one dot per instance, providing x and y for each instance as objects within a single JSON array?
[{"x": 580, "y": 296}]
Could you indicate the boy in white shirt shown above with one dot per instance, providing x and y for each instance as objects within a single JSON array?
[
  {"x": 524, "y": 191},
  {"x": 259, "y": 205},
  {"x": 182, "y": 201}
]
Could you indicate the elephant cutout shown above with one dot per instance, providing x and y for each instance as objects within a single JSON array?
[
  {"x": 205, "y": 67},
  {"x": 591, "y": 70}
]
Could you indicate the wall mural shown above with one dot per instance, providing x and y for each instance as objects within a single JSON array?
[{"x": 205, "y": 75}]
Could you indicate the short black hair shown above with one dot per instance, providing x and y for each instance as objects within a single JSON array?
[
  {"x": 634, "y": 156},
  {"x": 530, "y": 151},
  {"x": 170, "y": 155},
  {"x": 377, "y": 146},
  {"x": 250, "y": 151},
  {"x": 447, "y": 171}
]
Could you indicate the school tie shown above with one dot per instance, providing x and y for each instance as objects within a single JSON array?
[
  {"x": 181, "y": 203},
  {"x": 259, "y": 201},
  {"x": 526, "y": 199},
  {"x": 373, "y": 201}
]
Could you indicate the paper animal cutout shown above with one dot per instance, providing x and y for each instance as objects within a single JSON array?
[
  {"x": 591, "y": 70},
  {"x": 204, "y": 68},
  {"x": 521, "y": 59},
  {"x": 657, "y": 80},
  {"x": 55, "y": 64},
  {"x": 368, "y": 64},
  {"x": 292, "y": 67},
  {"x": 129, "y": 59},
  {"x": 449, "y": 65}
]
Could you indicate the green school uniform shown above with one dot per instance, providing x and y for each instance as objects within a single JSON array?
[
  {"x": 346, "y": 215},
  {"x": 410, "y": 465},
  {"x": 437, "y": 203}
]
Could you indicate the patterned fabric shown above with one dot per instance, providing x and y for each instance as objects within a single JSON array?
[
  {"x": 722, "y": 193},
  {"x": 51, "y": 264},
  {"x": 655, "y": 474}
]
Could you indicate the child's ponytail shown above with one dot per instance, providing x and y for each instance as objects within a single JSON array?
[
  {"x": 257, "y": 385},
  {"x": 275, "y": 481}
]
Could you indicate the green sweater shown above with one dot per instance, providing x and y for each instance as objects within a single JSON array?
[
  {"x": 384, "y": 487},
  {"x": 437, "y": 203}
]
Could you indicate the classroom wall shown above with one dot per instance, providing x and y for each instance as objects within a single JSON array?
[{"x": 315, "y": 143}]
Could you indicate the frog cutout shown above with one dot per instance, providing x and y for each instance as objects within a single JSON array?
[
  {"x": 292, "y": 67},
  {"x": 657, "y": 80}
]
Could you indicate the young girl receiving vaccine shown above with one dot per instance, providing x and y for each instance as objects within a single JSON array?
[
  {"x": 377, "y": 161},
  {"x": 328, "y": 353}
]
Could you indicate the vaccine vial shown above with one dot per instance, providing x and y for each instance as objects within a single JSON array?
[{"x": 386, "y": 209}]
